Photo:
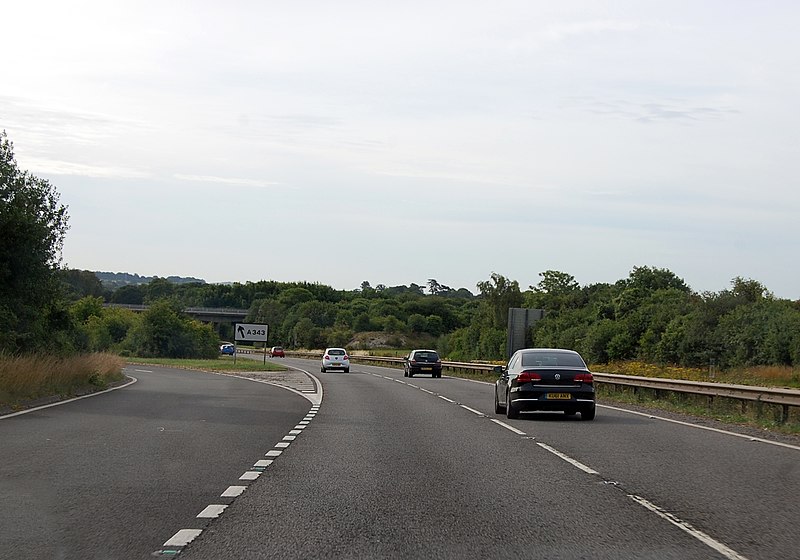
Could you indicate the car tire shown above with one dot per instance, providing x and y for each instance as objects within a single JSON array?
[
  {"x": 570, "y": 412},
  {"x": 588, "y": 413},
  {"x": 410, "y": 373},
  {"x": 405, "y": 373},
  {"x": 511, "y": 412},
  {"x": 322, "y": 369},
  {"x": 347, "y": 370},
  {"x": 497, "y": 408}
]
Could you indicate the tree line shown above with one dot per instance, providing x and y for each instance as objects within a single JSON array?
[{"x": 652, "y": 315}]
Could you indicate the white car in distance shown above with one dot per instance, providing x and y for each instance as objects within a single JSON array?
[{"x": 335, "y": 358}]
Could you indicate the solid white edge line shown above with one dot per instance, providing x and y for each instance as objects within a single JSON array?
[
  {"x": 183, "y": 537},
  {"x": 445, "y": 399},
  {"x": 686, "y": 527},
  {"x": 472, "y": 410},
  {"x": 26, "y": 411},
  {"x": 567, "y": 458},
  {"x": 508, "y": 426},
  {"x": 710, "y": 429}
]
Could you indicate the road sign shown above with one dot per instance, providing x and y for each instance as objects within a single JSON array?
[
  {"x": 251, "y": 333},
  {"x": 520, "y": 322}
]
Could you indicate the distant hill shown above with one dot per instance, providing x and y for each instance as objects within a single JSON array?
[{"x": 114, "y": 280}]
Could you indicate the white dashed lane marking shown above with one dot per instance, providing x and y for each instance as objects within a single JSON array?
[
  {"x": 183, "y": 537},
  {"x": 686, "y": 527},
  {"x": 211, "y": 512},
  {"x": 567, "y": 458},
  {"x": 472, "y": 410},
  {"x": 508, "y": 426},
  {"x": 233, "y": 491},
  {"x": 724, "y": 550}
]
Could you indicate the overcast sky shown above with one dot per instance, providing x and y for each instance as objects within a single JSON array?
[{"x": 393, "y": 142}]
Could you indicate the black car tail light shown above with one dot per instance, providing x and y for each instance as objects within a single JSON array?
[
  {"x": 528, "y": 376},
  {"x": 584, "y": 378}
]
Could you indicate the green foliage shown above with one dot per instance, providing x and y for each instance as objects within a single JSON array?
[
  {"x": 164, "y": 332},
  {"x": 81, "y": 283},
  {"x": 499, "y": 294},
  {"x": 33, "y": 224}
]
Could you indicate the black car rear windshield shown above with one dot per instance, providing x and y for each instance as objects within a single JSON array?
[
  {"x": 336, "y": 352},
  {"x": 426, "y": 356},
  {"x": 552, "y": 359}
]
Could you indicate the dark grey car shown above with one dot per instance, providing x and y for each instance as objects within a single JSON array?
[
  {"x": 545, "y": 379},
  {"x": 422, "y": 361}
]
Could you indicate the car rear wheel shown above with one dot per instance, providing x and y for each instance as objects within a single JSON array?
[
  {"x": 497, "y": 408},
  {"x": 511, "y": 410},
  {"x": 322, "y": 369},
  {"x": 347, "y": 370},
  {"x": 588, "y": 413},
  {"x": 410, "y": 373},
  {"x": 570, "y": 412}
]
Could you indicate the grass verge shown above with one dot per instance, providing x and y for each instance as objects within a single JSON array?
[
  {"x": 28, "y": 378},
  {"x": 762, "y": 416},
  {"x": 761, "y": 376},
  {"x": 223, "y": 363}
]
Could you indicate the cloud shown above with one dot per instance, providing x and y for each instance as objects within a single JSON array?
[
  {"x": 226, "y": 180},
  {"x": 659, "y": 111},
  {"x": 59, "y": 167},
  {"x": 44, "y": 122},
  {"x": 559, "y": 32}
]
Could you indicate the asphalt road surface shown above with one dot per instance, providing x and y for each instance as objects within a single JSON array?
[
  {"x": 114, "y": 476},
  {"x": 392, "y": 467},
  {"x": 385, "y": 467}
]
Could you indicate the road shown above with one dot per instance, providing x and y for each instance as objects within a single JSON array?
[
  {"x": 390, "y": 467},
  {"x": 115, "y": 475}
]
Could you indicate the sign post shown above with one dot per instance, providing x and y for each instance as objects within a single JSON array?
[{"x": 248, "y": 332}]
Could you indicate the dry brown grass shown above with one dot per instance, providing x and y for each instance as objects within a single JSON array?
[
  {"x": 766, "y": 376},
  {"x": 35, "y": 376}
]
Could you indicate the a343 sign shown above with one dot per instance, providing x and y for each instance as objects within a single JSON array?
[{"x": 250, "y": 332}]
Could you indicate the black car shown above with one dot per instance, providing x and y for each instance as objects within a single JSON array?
[
  {"x": 422, "y": 361},
  {"x": 545, "y": 379}
]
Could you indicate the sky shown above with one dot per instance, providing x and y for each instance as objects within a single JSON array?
[{"x": 393, "y": 142}]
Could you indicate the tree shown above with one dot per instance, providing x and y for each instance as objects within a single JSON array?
[
  {"x": 499, "y": 295},
  {"x": 33, "y": 224},
  {"x": 81, "y": 283}
]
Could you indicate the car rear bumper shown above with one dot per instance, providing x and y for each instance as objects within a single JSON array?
[
  {"x": 337, "y": 366},
  {"x": 540, "y": 400},
  {"x": 424, "y": 369}
]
